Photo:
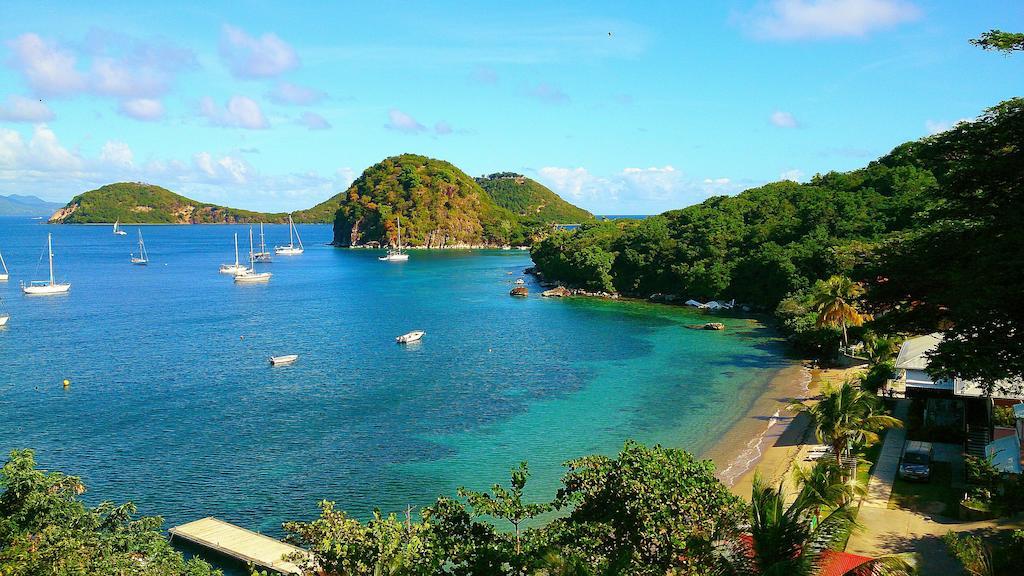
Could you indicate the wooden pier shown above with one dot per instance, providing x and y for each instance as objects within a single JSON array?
[{"x": 240, "y": 544}]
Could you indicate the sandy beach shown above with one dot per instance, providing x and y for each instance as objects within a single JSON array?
[{"x": 769, "y": 438}]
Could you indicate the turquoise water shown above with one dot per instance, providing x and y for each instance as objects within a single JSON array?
[{"x": 173, "y": 405}]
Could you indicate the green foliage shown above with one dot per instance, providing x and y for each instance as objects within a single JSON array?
[
  {"x": 877, "y": 375},
  {"x": 534, "y": 203},
  {"x": 46, "y": 529},
  {"x": 971, "y": 552},
  {"x": 506, "y": 504},
  {"x": 139, "y": 203},
  {"x": 998, "y": 40},
  {"x": 653, "y": 509},
  {"x": 847, "y": 417},
  {"x": 440, "y": 206},
  {"x": 1003, "y": 416}
]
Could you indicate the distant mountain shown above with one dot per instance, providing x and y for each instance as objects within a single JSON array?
[
  {"x": 19, "y": 205},
  {"x": 533, "y": 202},
  {"x": 139, "y": 203}
]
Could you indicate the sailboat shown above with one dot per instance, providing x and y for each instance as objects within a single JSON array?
[
  {"x": 117, "y": 229},
  {"x": 251, "y": 276},
  {"x": 291, "y": 249},
  {"x": 46, "y": 287},
  {"x": 263, "y": 255},
  {"x": 3, "y": 275},
  {"x": 235, "y": 268},
  {"x": 143, "y": 258},
  {"x": 4, "y": 316},
  {"x": 396, "y": 255}
]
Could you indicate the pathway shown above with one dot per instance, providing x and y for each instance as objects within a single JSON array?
[{"x": 884, "y": 474}]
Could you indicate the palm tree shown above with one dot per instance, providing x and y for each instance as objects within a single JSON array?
[
  {"x": 881, "y": 348},
  {"x": 835, "y": 301},
  {"x": 822, "y": 484},
  {"x": 846, "y": 416}
]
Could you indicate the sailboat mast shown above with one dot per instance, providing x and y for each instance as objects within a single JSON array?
[
  {"x": 236, "y": 251},
  {"x": 291, "y": 231},
  {"x": 263, "y": 245},
  {"x": 2, "y": 263},
  {"x": 49, "y": 248},
  {"x": 399, "y": 233},
  {"x": 252, "y": 257}
]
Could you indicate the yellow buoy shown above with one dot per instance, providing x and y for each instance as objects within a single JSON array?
[{"x": 67, "y": 382}]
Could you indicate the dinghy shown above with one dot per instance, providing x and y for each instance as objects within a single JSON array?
[
  {"x": 410, "y": 337},
  {"x": 283, "y": 360}
]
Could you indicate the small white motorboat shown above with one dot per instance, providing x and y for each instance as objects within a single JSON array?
[
  {"x": 410, "y": 337},
  {"x": 283, "y": 360},
  {"x": 520, "y": 282}
]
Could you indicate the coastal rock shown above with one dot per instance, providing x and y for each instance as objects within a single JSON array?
[
  {"x": 519, "y": 291},
  {"x": 556, "y": 292},
  {"x": 713, "y": 326}
]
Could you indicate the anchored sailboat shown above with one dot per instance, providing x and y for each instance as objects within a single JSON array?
[
  {"x": 251, "y": 276},
  {"x": 263, "y": 255},
  {"x": 4, "y": 316},
  {"x": 291, "y": 249},
  {"x": 3, "y": 275},
  {"x": 46, "y": 287},
  {"x": 236, "y": 268},
  {"x": 117, "y": 229},
  {"x": 143, "y": 258},
  {"x": 396, "y": 255}
]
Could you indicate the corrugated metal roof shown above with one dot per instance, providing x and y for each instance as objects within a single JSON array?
[
  {"x": 912, "y": 352},
  {"x": 1005, "y": 453}
]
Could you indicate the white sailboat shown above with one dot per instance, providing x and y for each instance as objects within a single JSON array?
[
  {"x": 4, "y": 276},
  {"x": 251, "y": 276},
  {"x": 143, "y": 258},
  {"x": 4, "y": 316},
  {"x": 263, "y": 255},
  {"x": 46, "y": 287},
  {"x": 237, "y": 267},
  {"x": 396, "y": 255},
  {"x": 291, "y": 249},
  {"x": 117, "y": 229}
]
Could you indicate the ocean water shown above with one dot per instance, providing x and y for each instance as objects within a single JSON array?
[{"x": 173, "y": 405}]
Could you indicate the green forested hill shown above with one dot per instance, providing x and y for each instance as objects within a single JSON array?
[
  {"x": 531, "y": 200},
  {"x": 139, "y": 203}
]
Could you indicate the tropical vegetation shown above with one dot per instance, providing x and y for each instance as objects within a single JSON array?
[
  {"x": 533, "y": 202},
  {"x": 46, "y": 529}
]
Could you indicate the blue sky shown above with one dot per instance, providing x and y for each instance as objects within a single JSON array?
[{"x": 622, "y": 109}]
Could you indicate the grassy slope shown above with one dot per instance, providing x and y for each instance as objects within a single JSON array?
[{"x": 531, "y": 200}]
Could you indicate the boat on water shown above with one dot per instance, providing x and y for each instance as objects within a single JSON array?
[
  {"x": 117, "y": 229},
  {"x": 143, "y": 258},
  {"x": 237, "y": 267},
  {"x": 4, "y": 276},
  {"x": 520, "y": 282},
  {"x": 4, "y": 316},
  {"x": 283, "y": 360},
  {"x": 263, "y": 255},
  {"x": 410, "y": 337},
  {"x": 396, "y": 255},
  {"x": 291, "y": 249},
  {"x": 251, "y": 276},
  {"x": 46, "y": 287}
]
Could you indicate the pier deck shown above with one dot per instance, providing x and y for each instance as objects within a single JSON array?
[{"x": 239, "y": 543}]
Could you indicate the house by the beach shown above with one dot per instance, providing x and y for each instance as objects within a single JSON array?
[{"x": 951, "y": 403}]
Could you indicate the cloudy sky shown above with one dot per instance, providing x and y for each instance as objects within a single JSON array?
[{"x": 621, "y": 109}]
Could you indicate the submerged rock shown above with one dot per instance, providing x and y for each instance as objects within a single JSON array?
[
  {"x": 713, "y": 326},
  {"x": 519, "y": 291}
]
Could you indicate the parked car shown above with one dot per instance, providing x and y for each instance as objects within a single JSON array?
[{"x": 916, "y": 463}]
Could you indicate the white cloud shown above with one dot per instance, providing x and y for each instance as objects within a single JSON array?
[
  {"x": 43, "y": 152},
  {"x": 240, "y": 112},
  {"x": 250, "y": 57},
  {"x": 117, "y": 154},
  {"x": 442, "y": 128},
  {"x": 314, "y": 121},
  {"x": 783, "y": 119},
  {"x": 48, "y": 68},
  {"x": 142, "y": 109},
  {"x": 550, "y": 94},
  {"x": 288, "y": 93},
  {"x": 800, "y": 19},
  {"x": 794, "y": 175},
  {"x": 402, "y": 122},
  {"x": 21, "y": 109},
  {"x": 936, "y": 126}
]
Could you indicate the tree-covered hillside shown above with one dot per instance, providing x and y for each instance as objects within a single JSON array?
[
  {"x": 531, "y": 200},
  {"x": 932, "y": 229},
  {"x": 140, "y": 203}
]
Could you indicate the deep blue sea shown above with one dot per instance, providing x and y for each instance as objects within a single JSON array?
[{"x": 173, "y": 405}]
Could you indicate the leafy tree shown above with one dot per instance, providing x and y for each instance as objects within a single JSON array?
[
  {"x": 45, "y": 529},
  {"x": 650, "y": 509},
  {"x": 846, "y": 416},
  {"x": 835, "y": 300},
  {"x": 1007, "y": 42},
  {"x": 507, "y": 504}
]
